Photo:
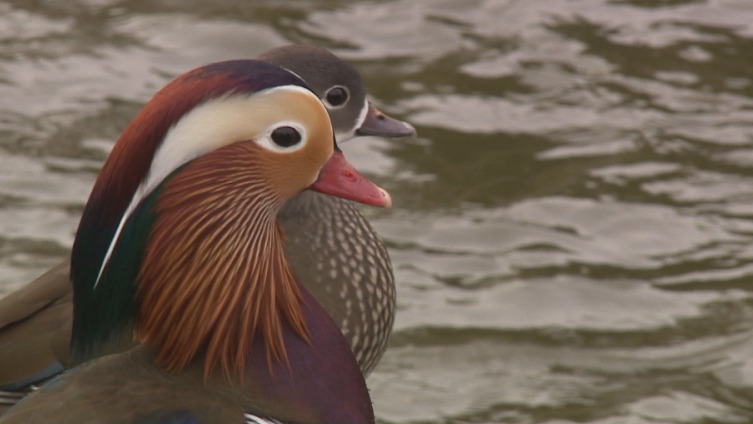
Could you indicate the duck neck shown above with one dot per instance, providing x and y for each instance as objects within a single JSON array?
[
  {"x": 201, "y": 270},
  {"x": 214, "y": 274}
]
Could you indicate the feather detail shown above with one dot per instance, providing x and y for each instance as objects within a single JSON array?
[
  {"x": 117, "y": 189},
  {"x": 214, "y": 274}
]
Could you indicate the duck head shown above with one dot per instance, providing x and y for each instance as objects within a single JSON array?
[
  {"x": 180, "y": 231},
  {"x": 340, "y": 88}
]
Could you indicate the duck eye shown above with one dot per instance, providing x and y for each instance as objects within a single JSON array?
[
  {"x": 285, "y": 136},
  {"x": 336, "y": 96}
]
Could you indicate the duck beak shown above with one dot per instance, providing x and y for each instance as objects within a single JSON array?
[
  {"x": 379, "y": 124},
  {"x": 339, "y": 178}
]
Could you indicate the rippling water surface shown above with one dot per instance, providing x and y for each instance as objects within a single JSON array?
[{"x": 572, "y": 229}]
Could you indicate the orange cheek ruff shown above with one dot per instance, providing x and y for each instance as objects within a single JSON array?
[{"x": 214, "y": 275}]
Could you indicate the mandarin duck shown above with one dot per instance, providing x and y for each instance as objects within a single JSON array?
[
  {"x": 358, "y": 292},
  {"x": 184, "y": 253}
]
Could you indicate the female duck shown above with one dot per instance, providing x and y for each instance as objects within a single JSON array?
[{"x": 35, "y": 321}]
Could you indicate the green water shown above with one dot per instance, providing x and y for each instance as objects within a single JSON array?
[{"x": 572, "y": 228}]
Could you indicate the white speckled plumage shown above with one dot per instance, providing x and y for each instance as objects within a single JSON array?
[{"x": 364, "y": 306}]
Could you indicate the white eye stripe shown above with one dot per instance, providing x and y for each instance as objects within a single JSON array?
[
  {"x": 266, "y": 138},
  {"x": 329, "y": 105},
  {"x": 344, "y": 136},
  {"x": 362, "y": 115}
]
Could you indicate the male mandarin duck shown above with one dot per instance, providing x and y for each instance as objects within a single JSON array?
[
  {"x": 357, "y": 291},
  {"x": 184, "y": 253}
]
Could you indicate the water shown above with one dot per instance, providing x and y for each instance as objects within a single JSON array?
[{"x": 572, "y": 228}]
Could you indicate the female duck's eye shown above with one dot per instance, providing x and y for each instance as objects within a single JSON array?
[
  {"x": 337, "y": 96},
  {"x": 286, "y": 136}
]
